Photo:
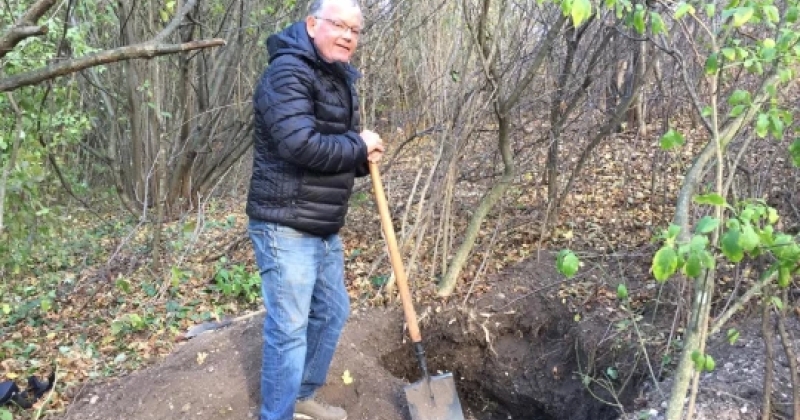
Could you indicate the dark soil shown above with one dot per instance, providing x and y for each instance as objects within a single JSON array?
[{"x": 518, "y": 353}]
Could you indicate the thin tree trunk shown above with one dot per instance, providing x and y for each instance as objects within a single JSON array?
[
  {"x": 694, "y": 333},
  {"x": 161, "y": 177},
  {"x": 487, "y": 203},
  {"x": 12, "y": 158},
  {"x": 179, "y": 194},
  {"x": 769, "y": 357}
]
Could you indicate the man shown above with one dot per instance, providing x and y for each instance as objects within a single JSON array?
[{"x": 308, "y": 151}]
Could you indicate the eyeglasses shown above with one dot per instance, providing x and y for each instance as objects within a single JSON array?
[{"x": 341, "y": 27}]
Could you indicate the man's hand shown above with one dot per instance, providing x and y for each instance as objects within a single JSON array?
[{"x": 374, "y": 145}]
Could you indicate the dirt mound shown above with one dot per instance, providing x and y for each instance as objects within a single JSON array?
[{"x": 216, "y": 376}]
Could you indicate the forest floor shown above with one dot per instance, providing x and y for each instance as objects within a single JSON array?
[{"x": 522, "y": 341}]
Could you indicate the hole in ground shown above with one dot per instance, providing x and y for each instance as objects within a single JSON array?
[{"x": 527, "y": 370}]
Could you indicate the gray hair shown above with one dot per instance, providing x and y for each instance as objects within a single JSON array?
[{"x": 316, "y": 6}]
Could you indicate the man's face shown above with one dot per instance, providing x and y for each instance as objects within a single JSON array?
[{"x": 335, "y": 30}]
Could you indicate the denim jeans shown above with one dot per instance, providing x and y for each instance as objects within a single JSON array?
[{"x": 302, "y": 281}]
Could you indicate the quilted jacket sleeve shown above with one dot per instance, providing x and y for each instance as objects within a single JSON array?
[{"x": 286, "y": 105}]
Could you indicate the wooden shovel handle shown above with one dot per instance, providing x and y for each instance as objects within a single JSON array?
[{"x": 394, "y": 254}]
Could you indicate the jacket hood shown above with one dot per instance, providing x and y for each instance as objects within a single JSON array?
[{"x": 294, "y": 40}]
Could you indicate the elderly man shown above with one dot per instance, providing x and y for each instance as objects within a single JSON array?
[{"x": 309, "y": 148}]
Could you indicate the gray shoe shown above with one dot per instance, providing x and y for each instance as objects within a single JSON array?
[{"x": 314, "y": 409}]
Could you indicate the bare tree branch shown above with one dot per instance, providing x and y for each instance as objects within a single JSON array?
[
  {"x": 25, "y": 27},
  {"x": 176, "y": 21},
  {"x": 143, "y": 50}
]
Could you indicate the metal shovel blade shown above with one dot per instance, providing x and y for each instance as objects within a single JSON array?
[{"x": 434, "y": 400}]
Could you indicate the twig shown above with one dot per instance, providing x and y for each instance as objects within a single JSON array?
[
  {"x": 754, "y": 290},
  {"x": 232, "y": 246},
  {"x": 530, "y": 293},
  {"x": 790, "y": 355},
  {"x": 644, "y": 348},
  {"x": 49, "y": 396}
]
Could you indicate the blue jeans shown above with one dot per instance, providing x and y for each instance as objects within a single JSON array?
[{"x": 302, "y": 281}]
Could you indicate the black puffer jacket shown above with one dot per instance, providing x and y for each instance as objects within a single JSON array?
[{"x": 307, "y": 144}]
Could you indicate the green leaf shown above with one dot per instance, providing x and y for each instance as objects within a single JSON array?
[
  {"x": 772, "y": 215},
  {"x": 5, "y": 414},
  {"x": 707, "y": 224},
  {"x": 784, "y": 276},
  {"x": 777, "y": 302},
  {"x": 741, "y": 16},
  {"x": 683, "y": 9},
  {"x": 738, "y": 110},
  {"x": 771, "y": 12},
  {"x": 657, "y": 24},
  {"x": 665, "y": 262},
  {"x": 698, "y": 243},
  {"x": 713, "y": 199},
  {"x": 762, "y": 125},
  {"x": 733, "y": 336},
  {"x": 638, "y": 21},
  {"x": 189, "y": 227},
  {"x": 712, "y": 64},
  {"x": 791, "y": 14},
  {"x": 672, "y": 139},
  {"x": 767, "y": 53},
  {"x": 710, "y": 364},
  {"x": 699, "y": 360},
  {"x": 777, "y": 126},
  {"x": 708, "y": 260},
  {"x": 742, "y": 53},
  {"x": 784, "y": 247},
  {"x": 693, "y": 267},
  {"x": 117, "y": 327},
  {"x": 747, "y": 214},
  {"x": 581, "y": 10},
  {"x": 729, "y": 53},
  {"x": 785, "y": 75},
  {"x": 740, "y": 97},
  {"x": 622, "y": 292},
  {"x": 566, "y": 7},
  {"x": 6, "y": 309},
  {"x": 707, "y": 111},
  {"x": 46, "y": 305},
  {"x": 567, "y": 263},
  {"x": 794, "y": 152},
  {"x": 673, "y": 231},
  {"x": 379, "y": 281},
  {"x": 731, "y": 247},
  {"x": 748, "y": 239}
]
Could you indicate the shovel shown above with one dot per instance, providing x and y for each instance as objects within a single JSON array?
[{"x": 432, "y": 397}]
